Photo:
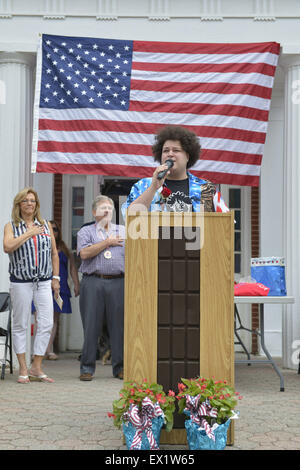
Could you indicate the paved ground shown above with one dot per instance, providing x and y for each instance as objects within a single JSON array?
[{"x": 71, "y": 414}]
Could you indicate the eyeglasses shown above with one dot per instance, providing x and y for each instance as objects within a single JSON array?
[{"x": 28, "y": 201}]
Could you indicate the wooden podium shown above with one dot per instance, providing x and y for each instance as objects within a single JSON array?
[{"x": 179, "y": 310}]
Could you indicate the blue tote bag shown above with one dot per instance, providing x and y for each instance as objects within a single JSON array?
[{"x": 270, "y": 272}]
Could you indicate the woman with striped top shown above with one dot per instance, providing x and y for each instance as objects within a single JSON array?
[{"x": 34, "y": 269}]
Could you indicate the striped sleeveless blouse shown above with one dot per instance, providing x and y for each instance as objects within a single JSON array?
[{"x": 33, "y": 260}]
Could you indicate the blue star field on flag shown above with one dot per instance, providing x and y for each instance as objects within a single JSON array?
[{"x": 85, "y": 73}]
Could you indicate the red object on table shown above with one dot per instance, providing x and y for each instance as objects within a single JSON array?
[{"x": 251, "y": 288}]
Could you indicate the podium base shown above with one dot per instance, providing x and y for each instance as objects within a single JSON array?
[{"x": 176, "y": 436}]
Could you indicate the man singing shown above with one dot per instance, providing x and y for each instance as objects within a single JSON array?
[{"x": 186, "y": 191}]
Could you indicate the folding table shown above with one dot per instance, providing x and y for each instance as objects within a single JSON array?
[{"x": 262, "y": 300}]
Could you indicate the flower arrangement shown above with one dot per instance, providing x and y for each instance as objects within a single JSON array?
[
  {"x": 140, "y": 395},
  {"x": 217, "y": 395},
  {"x": 210, "y": 405}
]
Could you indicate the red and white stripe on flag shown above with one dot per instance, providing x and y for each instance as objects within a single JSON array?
[
  {"x": 83, "y": 123},
  {"x": 219, "y": 203}
]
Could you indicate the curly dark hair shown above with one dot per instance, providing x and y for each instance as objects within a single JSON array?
[{"x": 189, "y": 142}]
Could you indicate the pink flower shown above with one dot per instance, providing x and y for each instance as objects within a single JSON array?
[
  {"x": 181, "y": 387},
  {"x": 171, "y": 393}
]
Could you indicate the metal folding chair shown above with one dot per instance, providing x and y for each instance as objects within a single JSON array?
[{"x": 5, "y": 306}]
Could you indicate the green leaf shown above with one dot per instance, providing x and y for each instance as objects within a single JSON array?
[
  {"x": 181, "y": 405},
  {"x": 186, "y": 382}
]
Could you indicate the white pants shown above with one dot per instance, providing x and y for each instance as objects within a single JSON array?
[{"x": 22, "y": 295}]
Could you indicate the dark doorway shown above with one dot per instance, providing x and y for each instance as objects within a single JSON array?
[{"x": 117, "y": 190}]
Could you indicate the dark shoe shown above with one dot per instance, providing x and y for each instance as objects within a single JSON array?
[
  {"x": 120, "y": 375},
  {"x": 86, "y": 377}
]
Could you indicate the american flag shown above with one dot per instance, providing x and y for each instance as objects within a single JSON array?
[{"x": 100, "y": 102}]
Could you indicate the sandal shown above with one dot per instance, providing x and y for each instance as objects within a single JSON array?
[
  {"x": 23, "y": 379},
  {"x": 51, "y": 357},
  {"x": 40, "y": 378}
]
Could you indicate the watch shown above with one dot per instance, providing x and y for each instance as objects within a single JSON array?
[{"x": 56, "y": 277}]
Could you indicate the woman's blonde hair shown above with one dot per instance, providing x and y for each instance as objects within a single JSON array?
[{"x": 16, "y": 211}]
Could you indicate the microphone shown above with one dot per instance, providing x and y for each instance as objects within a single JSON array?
[{"x": 163, "y": 173}]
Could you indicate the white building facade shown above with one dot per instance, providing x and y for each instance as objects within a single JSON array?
[{"x": 211, "y": 21}]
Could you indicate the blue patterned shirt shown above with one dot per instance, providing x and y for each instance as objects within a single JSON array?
[{"x": 140, "y": 187}]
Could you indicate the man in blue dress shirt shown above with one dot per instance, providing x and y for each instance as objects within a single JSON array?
[{"x": 101, "y": 249}]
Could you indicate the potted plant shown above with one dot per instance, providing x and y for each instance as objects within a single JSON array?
[
  {"x": 209, "y": 405},
  {"x": 141, "y": 411}
]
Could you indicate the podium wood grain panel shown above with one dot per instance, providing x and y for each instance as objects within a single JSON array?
[
  {"x": 216, "y": 300},
  {"x": 140, "y": 306}
]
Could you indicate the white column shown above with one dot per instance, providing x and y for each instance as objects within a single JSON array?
[
  {"x": 291, "y": 210},
  {"x": 16, "y": 78}
]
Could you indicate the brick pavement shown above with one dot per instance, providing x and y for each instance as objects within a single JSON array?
[{"x": 70, "y": 414}]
